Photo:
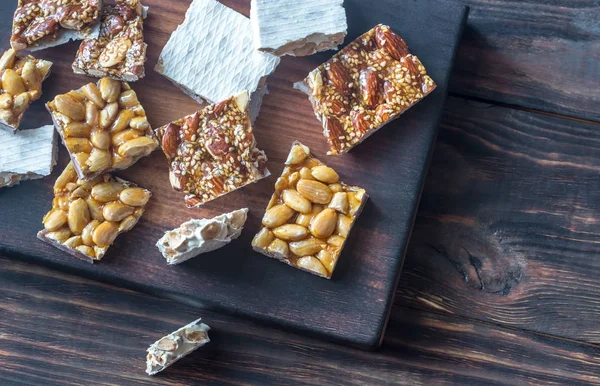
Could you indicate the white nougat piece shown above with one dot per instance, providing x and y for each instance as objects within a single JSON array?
[
  {"x": 171, "y": 348},
  {"x": 298, "y": 28},
  {"x": 195, "y": 237},
  {"x": 211, "y": 56},
  {"x": 26, "y": 155}
]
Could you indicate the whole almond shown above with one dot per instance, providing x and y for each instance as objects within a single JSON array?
[
  {"x": 291, "y": 232},
  {"x": 389, "y": 41},
  {"x": 79, "y": 215},
  {"x": 277, "y": 215},
  {"x": 171, "y": 140},
  {"x": 294, "y": 200},
  {"x": 312, "y": 264},
  {"x": 314, "y": 191},
  {"x": 324, "y": 223},
  {"x": 338, "y": 77},
  {"x": 333, "y": 131},
  {"x": 384, "y": 112},
  {"x": 369, "y": 87},
  {"x": 325, "y": 174},
  {"x": 307, "y": 247},
  {"x": 359, "y": 121},
  {"x": 70, "y": 107},
  {"x": 336, "y": 107}
]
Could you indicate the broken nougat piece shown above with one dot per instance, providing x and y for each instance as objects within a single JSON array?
[
  {"x": 27, "y": 155},
  {"x": 119, "y": 52},
  {"x": 87, "y": 216},
  {"x": 21, "y": 84},
  {"x": 298, "y": 28},
  {"x": 103, "y": 126},
  {"x": 369, "y": 83},
  {"x": 48, "y": 23},
  {"x": 213, "y": 152},
  {"x": 211, "y": 55},
  {"x": 195, "y": 237},
  {"x": 171, "y": 348},
  {"x": 310, "y": 215}
]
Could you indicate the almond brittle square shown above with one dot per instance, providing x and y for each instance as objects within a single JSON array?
[
  {"x": 369, "y": 83},
  {"x": 310, "y": 215},
  {"x": 213, "y": 151},
  {"x": 119, "y": 52},
  {"x": 104, "y": 127},
  {"x": 87, "y": 216}
]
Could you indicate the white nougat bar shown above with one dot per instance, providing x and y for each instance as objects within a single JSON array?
[
  {"x": 171, "y": 348},
  {"x": 298, "y": 28},
  {"x": 211, "y": 56},
  {"x": 26, "y": 155},
  {"x": 198, "y": 236}
]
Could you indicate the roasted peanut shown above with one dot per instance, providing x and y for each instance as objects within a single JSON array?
[
  {"x": 134, "y": 196},
  {"x": 127, "y": 223},
  {"x": 7, "y": 60},
  {"x": 92, "y": 92},
  {"x": 91, "y": 114},
  {"x": 139, "y": 123},
  {"x": 122, "y": 121},
  {"x": 344, "y": 223},
  {"x": 81, "y": 160},
  {"x": 105, "y": 233},
  {"x": 73, "y": 242},
  {"x": 336, "y": 241},
  {"x": 86, "y": 233},
  {"x": 116, "y": 211},
  {"x": 60, "y": 235},
  {"x": 86, "y": 250},
  {"x": 128, "y": 99},
  {"x": 55, "y": 220},
  {"x": 12, "y": 83},
  {"x": 31, "y": 76},
  {"x": 339, "y": 202},
  {"x": 137, "y": 147},
  {"x": 67, "y": 175},
  {"x": 6, "y": 101},
  {"x": 99, "y": 160},
  {"x": 79, "y": 215},
  {"x": 20, "y": 103},
  {"x": 109, "y": 89},
  {"x": 95, "y": 207},
  {"x": 107, "y": 191},
  {"x": 108, "y": 115},
  {"x": 77, "y": 129},
  {"x": 100, "y": 139},
  {"x": 68, "y": 106},
  {"x": 76, "y": 145}
]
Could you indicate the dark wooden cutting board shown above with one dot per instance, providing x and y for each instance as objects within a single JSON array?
[{"x": 353, "y": 307}]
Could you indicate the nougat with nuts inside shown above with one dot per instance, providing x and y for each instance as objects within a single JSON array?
[
  {"x": 213, "y": 152},
  {"x": 369, "y": 83},
  {"x": 119, "y": 52},
  {"x": 104, "y": 127},
  {"x": 87, "y": 216},
  {"x": 310, "y": 215},
  {"x": 21, "y": 81}
]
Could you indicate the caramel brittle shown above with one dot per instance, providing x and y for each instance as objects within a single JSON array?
[
  {"x": 21, "y": 85},
  {"x": 41, "y": 24},
  {"x": 213, "y": 152},
  {"x": 87, "y": 216},
  {"x": 119, "y": 52},
  {"x": 103, "y": 126},
  {"x": 310, "y": 215},
  {"x": 367, "y": 84}
]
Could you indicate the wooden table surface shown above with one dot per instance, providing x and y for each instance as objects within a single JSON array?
[{"x": 501, "y": 283}]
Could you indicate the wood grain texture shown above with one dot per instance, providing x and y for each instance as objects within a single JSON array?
[
  {"x": 390, "y": 166},
  {"x": 59, "y": 329},
  {"x": 508, "y": 226},
  {"x": 541, "y": 54}
]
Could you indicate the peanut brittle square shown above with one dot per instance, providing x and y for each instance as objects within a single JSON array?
[
  {"x": 310, "y": 215},
  {"x": 369, "y": 83},
  {"x": 21, "y": 85},
  {"x": 213, "y": 151},
  {"x": 103, "y": 126},
  {"x": 46, "y": 23},
  {"x": 87, "y": 216},
  {"x": 119, "y": 52}
]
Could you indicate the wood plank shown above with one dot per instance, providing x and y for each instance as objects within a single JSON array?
[
  {"x": 508, "y": 225},
  {"x": 62, "y": 329},
  {"x": 534, "y": 53},
  {"x": 390, "y": 166}
]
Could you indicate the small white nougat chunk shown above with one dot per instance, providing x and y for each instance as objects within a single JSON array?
[
  {"x": 211, "y": 56},
  {"x": 195, "y": 237},
  {"x": 27, "y": 155},
  {"x": 171, "y": 348},
  {"x": 298, "y": 28}
]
